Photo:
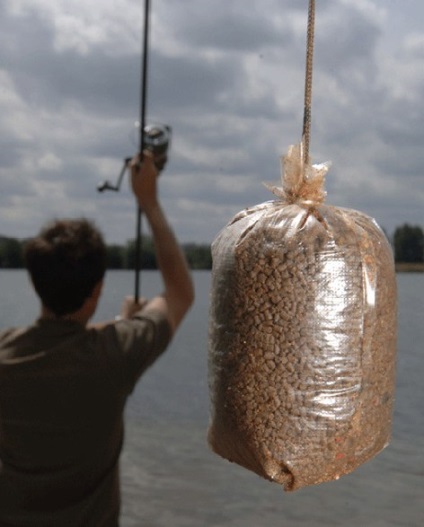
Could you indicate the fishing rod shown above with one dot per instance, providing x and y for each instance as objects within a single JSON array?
[
  {"x": 143, "y": 104},
  {"x": 154, "y": 137}
]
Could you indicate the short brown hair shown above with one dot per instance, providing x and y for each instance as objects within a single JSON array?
[{"x": 66, "y": 261}]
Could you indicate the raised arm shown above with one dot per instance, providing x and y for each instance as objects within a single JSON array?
[{"x": 178, "y": 295}]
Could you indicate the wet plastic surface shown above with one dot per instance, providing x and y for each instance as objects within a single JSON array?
[{"x": 302, "y": 348}]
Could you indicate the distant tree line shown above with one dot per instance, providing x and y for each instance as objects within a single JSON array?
[
  {"x": 407, "y": 242},
  {"x": 124, "y": 256},
  {"x": 10, "y": 253},
  {"x": 118, "y": 256}
]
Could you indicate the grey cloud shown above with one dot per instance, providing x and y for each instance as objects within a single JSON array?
[
  {"x": 406, "y": 163},
  {"x": 191, "y": 81},
  {"x": 47, "y": 78},
  {"x": 348, "y": 38},
  {"x": 12, "y": 150},
  {"x": 229, "y": 30},
  {"x": 401, "y": 123},
  {"x": 100, "y": 84},
  {"x": 113, "y": 141},
  {"x": 14, "y": 185},
  {"x": 237, "y": 26},
  {"x": 211, "y": 107},
  {"x": 109, "y": 85},
  {"x": 302, "y": 6}
]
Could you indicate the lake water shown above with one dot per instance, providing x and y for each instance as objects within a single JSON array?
[{"x": 171, "y": 479}]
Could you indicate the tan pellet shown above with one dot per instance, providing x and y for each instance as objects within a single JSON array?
[{"x": 302, "y": 343}]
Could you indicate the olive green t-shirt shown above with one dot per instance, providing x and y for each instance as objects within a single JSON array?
[{"x": 63, "y": 389}]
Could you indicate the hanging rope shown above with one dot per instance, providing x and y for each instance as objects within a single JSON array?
[
  {"x": 308, "y": 81},
  {"x": 143, "y": 104}
]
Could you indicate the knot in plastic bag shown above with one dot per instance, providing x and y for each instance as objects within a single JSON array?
[{"x": 302, "y": 182}]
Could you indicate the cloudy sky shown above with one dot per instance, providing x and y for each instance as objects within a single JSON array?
[{"x": 228, "y": 76}]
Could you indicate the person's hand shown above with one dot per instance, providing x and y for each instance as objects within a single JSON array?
[
  {"x": 130, "y": 306},
  {"x": 143, "y": 179}
]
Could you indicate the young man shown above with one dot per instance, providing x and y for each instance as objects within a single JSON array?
[{"x": 64, "y": 383}]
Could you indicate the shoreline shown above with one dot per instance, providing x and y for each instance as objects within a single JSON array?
[
  {"x": 409, "y": 267},
  {"x": 400, "y": 267}
]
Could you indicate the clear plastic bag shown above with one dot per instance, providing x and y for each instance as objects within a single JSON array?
[{"x": 302, "y": 335}]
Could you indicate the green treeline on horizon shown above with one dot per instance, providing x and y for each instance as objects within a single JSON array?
[
  {"x": 118, "y": 256},
  {"x": 407, "y": 242}
]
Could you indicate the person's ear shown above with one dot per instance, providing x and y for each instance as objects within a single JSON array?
[
  {"x": 97, "y": 291},
  {"x": 91, "y": 302}
]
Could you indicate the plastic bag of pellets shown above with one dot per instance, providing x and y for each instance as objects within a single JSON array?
[{"x": 302, "y": 335}]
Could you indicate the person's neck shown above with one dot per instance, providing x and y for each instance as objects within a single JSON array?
[
  {"x": 83, "y": 314},
  {"x": 78, "y": 316}
]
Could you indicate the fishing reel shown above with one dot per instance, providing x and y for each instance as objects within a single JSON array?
[{"x": 156, "y": 139}]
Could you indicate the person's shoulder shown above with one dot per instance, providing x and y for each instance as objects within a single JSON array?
[
  {"x": 8, "y": 334},
  {"x": 156, "y": 317},
  {"x": 148, "y": 325},
  {"x": 9, "y": 339},
  {"x": 150, "y": 313}
]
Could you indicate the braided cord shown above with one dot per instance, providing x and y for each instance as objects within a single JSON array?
[{"x": 308, "y": 81}]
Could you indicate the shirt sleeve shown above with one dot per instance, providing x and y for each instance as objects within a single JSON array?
[{"x": 141, "y": 339}]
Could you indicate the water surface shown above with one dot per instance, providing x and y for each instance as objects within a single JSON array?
[{"x": 171, "y": 479}]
